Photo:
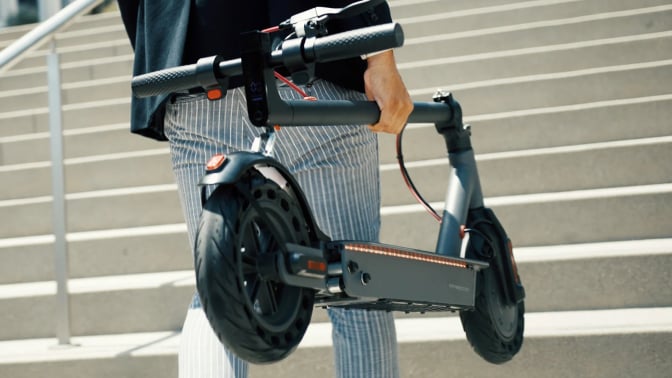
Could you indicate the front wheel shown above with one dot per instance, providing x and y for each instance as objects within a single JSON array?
[
  {"x": 242, "y": 229},
  {"x": 494, "y": 328}
]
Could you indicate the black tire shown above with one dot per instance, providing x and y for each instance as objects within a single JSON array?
[
  {"x": 258, "y": 318},
  {"x": 493, "y": 328}
]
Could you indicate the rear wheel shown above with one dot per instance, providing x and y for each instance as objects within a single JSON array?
[
  {"x": 243, "y": 228},
  {"x": 495, "y": 327}
]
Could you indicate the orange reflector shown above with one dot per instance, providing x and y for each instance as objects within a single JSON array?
[
  {"x": 214, "y": 94},
  {"x": 317, "y": 266},
  {"x": 400, "y": 253},
  {"x": 310, "y": 98},
  {"x": 215, "y": 162},
  {"x": 276, "y": 127}
]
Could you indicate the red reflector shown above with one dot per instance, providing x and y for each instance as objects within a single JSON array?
[
  {"x": 214, "y": 94},
  {"x": 513, "y": 262},
  {"x": 317, "y": 266},
  {"x": 215, "y": 162}
]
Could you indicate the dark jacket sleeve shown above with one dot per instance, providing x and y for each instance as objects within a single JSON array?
[
  {"x": 157, "y": 45},
  {"x": 129, "y": 16}
]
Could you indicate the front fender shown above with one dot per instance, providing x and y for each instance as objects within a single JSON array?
[{"x": 237, "y": 163}]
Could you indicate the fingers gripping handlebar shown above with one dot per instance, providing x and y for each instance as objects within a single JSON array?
[{"x": 211, "y": 71}]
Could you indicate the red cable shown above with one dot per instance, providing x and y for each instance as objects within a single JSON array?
[
  {"x": 272, "y": 29},
  {"x": 294, "y": 87},
  {"x": 409, "y": 183}
]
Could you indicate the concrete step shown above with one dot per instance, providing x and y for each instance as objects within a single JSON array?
[
  {"x": 489, "y": 96},
  {"x": 462, "y": 70},
  {"x": 539, "y": 60},
  {"x": 77, "y": 143},
  {"x": 625, "y": 276},
  {"x": 516, "y": 12},
  {"x": 556, "y": 89},
  {"x": 86, "y": 22},
  {"x": 136, "y": 206},
  {"x": 450, "y": 19},
  {"x": 78, "y": 71},
  {"x": 555, "y": 346},
  {"x": 86, "y": 174},
  {"x": 71, "y": 93},
  {"x": 10, "y": 34},
  {"x": 418, "y": 74},
  {"x": 613, "y": 343},
  {"x": 589, "y": 166},
  {"x": 93, "y": 211},
  {"x": 124, "y": 251},
  {"x": 596, "y": 275},
  {"x": 540, "y": 33},
  {"x": 109, "y": 47},
  {"x": 111, "y": 21},
  {"x": 94, "y": 33},
  {"x": 100, "y": 305},
  {"x": 108, "y": 252},
  {"x": 555, "y": 126},
  {"x": 580, "y": 167},
  {"x": 83, "y": 115},
  {"x": 103, "y": 171},
  {"x": 497, "y": 132},
  {"x": 581, "y": 216},
  {"x": 412, "y": 8},
  {"x": 629, "y": 276}
]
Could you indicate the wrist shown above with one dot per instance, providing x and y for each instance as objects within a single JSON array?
[{"x": 372, "y": 54}]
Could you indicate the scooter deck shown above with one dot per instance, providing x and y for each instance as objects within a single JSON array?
[{"x": 385, "y": 277}]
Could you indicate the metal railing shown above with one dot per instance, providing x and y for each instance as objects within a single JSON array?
[{"x": 42, "y": 33}]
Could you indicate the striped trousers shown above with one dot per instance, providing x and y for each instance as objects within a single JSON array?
[{"x": 337, "y": 168}]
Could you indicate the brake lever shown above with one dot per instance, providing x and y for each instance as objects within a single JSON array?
[
  {"x": 354, "y": 8},
  {"x": 312, "y": 22}
]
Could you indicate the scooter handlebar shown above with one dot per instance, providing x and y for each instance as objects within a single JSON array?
[
  {"x": 165, "y": 81},
  {"x": 324, "y": 49}
]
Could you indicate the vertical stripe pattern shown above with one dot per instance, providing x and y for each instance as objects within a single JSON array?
[{"x": 337, "y": 168}]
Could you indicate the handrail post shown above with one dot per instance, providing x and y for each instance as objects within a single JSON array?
[{"x": 58, "y": 194}]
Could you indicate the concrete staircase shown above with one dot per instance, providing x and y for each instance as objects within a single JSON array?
[{"x": 571, "y": 112}]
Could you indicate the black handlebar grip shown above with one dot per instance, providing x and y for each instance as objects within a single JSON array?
[
  {"x": 165, "y": 81},
  {"x": 355, "y": 43}
]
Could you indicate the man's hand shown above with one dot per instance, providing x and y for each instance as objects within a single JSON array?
[{"x": 384, "y": 85}]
